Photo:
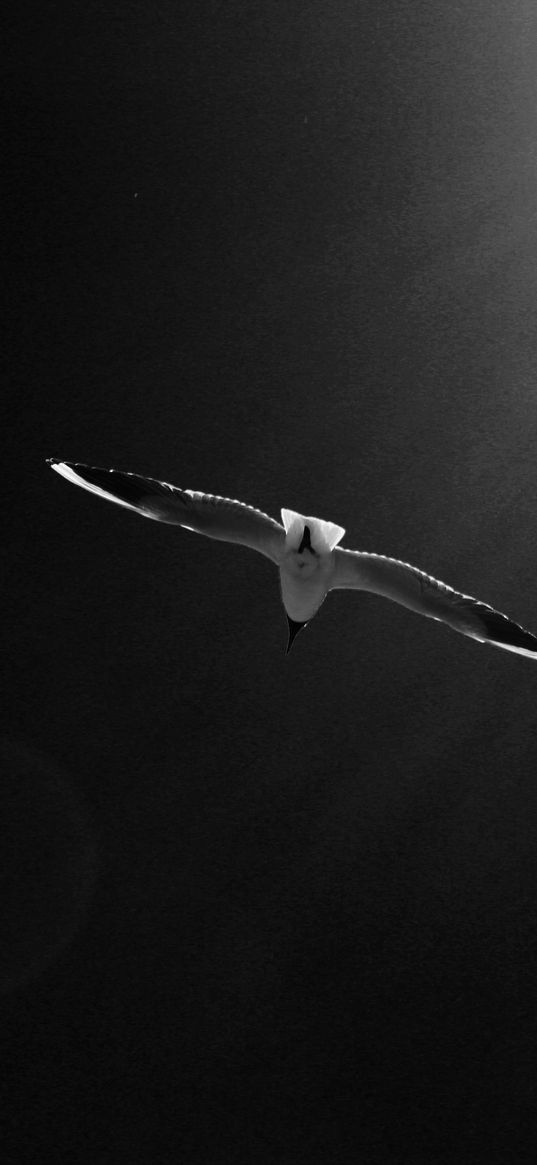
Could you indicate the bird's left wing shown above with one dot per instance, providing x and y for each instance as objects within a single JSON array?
[
  {"x": 428, "y": 596},
  {"x": 220, "y": 518}
]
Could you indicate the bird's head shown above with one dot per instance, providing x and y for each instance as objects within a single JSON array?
[{"x": 306, "y": 566}]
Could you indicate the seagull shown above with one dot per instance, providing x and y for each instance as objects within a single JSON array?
[{"x": 307, "y": 553}]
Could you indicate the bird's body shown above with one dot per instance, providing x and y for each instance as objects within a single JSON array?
[
  {"x": 306, "y": 564},
  {"x": 307, "y": 554}
]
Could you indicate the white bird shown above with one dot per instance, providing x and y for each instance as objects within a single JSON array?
[{"x": 307, "y": 553}]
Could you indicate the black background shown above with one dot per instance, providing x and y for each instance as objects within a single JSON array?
[{"x": 261, "y": 908}]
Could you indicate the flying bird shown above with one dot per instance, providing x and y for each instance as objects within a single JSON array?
[{"x": 307, "y": 553}]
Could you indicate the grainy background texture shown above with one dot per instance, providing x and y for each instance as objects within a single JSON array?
[{"x": 258, "y": 908}]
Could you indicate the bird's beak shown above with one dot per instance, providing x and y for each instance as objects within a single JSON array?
[{"x": 294, "y": 628}]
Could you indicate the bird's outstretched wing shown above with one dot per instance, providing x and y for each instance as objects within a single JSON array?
[
  {"x": 420, "y": 592},
  {"x": 220, "y": 518}
]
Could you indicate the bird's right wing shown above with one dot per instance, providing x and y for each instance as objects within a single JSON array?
[
  {"x": 220, "y": 518},
  {"x": 428, "y": 596}
]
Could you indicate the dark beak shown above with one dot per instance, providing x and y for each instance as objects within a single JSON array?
[{"x": 294, "y": 628}]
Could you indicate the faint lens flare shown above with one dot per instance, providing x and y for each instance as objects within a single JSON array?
[{"x": 49, "y": 863}]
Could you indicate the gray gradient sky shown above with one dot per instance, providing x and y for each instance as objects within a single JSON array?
[{"x": 284, "y": 254}]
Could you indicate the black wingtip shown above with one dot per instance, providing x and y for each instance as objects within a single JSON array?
[
  {"x": 131, "y": 488},
  {"x": 504, "y": 632}
]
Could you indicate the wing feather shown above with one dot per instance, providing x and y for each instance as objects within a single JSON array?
[
  {"x": 420, "y": 592},
  {"x": 224, "y": 519}
]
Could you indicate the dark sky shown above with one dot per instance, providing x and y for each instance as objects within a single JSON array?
[{"x": 262, "y": 908}]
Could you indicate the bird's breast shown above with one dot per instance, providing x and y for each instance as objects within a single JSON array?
[{"x": 302, "y": 593}]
